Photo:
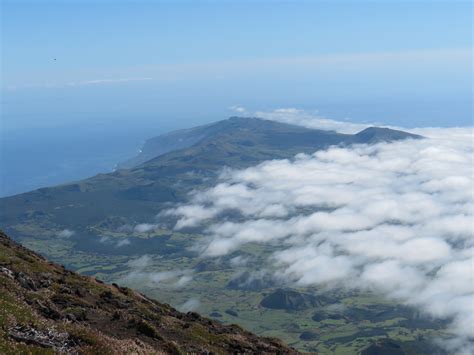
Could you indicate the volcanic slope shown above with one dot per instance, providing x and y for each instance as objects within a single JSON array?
[{"x": 45, "y": 308}]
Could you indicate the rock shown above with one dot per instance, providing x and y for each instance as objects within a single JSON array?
[
  {"x": 60, "y": 342},
  {"x": 7, "y": 272},
  {"x": 45, "y": 279},
  {"x": 45, "y": 283},
  {"x": 65, "y": 290},
  {"x": 48, "y": 311},
  {"x": 25, "y": 281},
  {"x": 215, "y": 314}
]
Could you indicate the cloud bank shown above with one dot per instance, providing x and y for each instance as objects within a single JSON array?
[
  {"x": 139, "y": 273},
  {"x": 310, "y": 120},
  {"x": 396, "y": 218}
]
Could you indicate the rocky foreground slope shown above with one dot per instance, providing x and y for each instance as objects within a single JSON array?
[{"x": 45, "y": 308}]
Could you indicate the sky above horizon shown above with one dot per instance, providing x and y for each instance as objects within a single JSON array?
[{"x": 179, "y": 63}]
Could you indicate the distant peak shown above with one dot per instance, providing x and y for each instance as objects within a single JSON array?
[
  {"x": 243, "y": 119},
  {"x": 375, "y": 129},
  {"x": 248, "y": 122},
  {"x": 383, "y": 134},
  {"x": 237, "y": 118}
]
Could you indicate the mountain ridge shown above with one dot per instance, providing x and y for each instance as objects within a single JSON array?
[{"x": 186, "y": 138}]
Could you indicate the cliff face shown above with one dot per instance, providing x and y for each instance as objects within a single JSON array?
[{"x": 46, "y": 308}]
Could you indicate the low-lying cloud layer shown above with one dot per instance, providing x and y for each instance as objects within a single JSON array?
[
  {"x": 310, "y": 120},
  {"x": 302, "y": 118},
  {"x": 139, "y": 273},
  {"x": 393, "y": 217}
]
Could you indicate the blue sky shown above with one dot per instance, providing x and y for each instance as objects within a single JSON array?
[{"x": 177, "y": 63}]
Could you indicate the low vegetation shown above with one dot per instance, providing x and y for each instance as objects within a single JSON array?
[{"x": 45, "y": 309}]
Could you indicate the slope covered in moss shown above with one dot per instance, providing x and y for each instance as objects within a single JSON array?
[{"x": 45, "y": 308}]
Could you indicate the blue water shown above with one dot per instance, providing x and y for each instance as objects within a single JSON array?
[{"x": 43, "y": 157}]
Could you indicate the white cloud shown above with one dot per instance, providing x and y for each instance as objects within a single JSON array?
[
  {"x": 116, "y": 242},
  {"x": 140, "y": 263},
  {"x": 66, "y": 233},
  {"x": 192, "y": 215},
  {"x": 309, "y": 120},
  {"x": 190, "y": 305},
  {"x": 145, "y": 227},
  {"x": 304, "y": 118},
  {"x": 238, "y": 261},
  {"x": 238, "y": 109},
  {"x": 140, "y": 273},
  {"x": 392, "y": 217},
  {"x": 123, "y": 242}
]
